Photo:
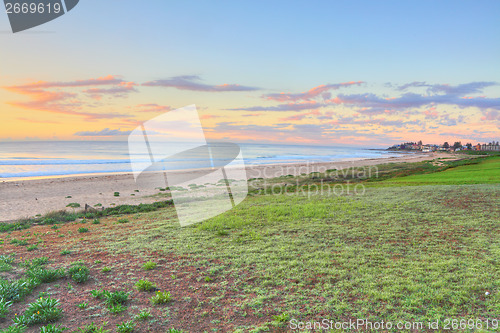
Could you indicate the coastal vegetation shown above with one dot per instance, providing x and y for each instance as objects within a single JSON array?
[{"x": 420, "y": 244}]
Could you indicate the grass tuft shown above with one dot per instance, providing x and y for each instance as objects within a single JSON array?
[
  {"x": 41, "y": 311},
  {"x": 149, "y": 265},
  {"x": 161, "y": 297},
  {"x": 79, "y": 272},
  {"x": 145, "y": 285}
]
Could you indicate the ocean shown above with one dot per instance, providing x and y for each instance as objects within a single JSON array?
[{"x": 32, "y": 159}]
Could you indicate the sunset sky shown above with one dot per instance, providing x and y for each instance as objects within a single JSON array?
[{"x": 356, "y": 73}]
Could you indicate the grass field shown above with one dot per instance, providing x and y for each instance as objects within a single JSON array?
[
  {"x": 395, "y": 253},
  {"x": 487, "y": 172}
]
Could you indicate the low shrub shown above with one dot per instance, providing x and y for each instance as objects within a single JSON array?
[
  {"x": 143, "y": 315},
  {"x": 83, "y": 305},
  {"x": 14, "y": 329},
  {"x": 45, "y": 275},
  {"x": 125, "y": 327},
  {"x": 145, "y": 285},
  {"x": 36, "y": 262},
  {"x": 52, "y": 329},
  {"x": 161, "y": 297},
  {"x": 41, "y": 311},
  {"x": 93, "y": 328},
  {"x": 149, "y": 265},
  {"x": 17, "y": 290},
  {"x": 4, "y": 307},
  {"x": 116, "y": 308},
  {"x": 79, "y": 272},
  {"x": 117, "y": 297},
  {"x": 32, "y": 247}
]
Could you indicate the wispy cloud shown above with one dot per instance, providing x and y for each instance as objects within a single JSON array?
[
  {"x": 36, "y": 121},
  {"x": 152, "y": 107},
  {"x": 209, "y": 116},
  {"x": 311, "y": 93},
  {"x": 104, "y": 132},
  {"x": 106, "y": 80},
  {"x": 121, "y": 90},
  {"x": 192, "y": 82},
  {"x": 458, "y": 90},
  {"x": 296, "y": 106}
]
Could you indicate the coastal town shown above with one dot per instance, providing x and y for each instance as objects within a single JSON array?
[{"x": 457, "y": 146}]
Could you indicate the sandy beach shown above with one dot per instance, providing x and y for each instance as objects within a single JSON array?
[{"x": 27, "y": 198}]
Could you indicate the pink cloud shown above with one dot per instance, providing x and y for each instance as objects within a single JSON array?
[
  {"x": 491, "y": 115},
  {"x": 209, "y": 116},
  {"x": 431, "y": 113},
  {"x": 120, "y": 90},
  {"x": 106, "y": 80},
  {"x": 152, "y": 108},
  {"x": 296, "y": 117},
  {"x": 63, "y": 102}
]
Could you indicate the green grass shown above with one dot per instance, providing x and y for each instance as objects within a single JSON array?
[
  {"x": 486, "y": 172},
  {"x": 83, "y": 305},
  {"x": 145, "y": 285},
  {"x": 45, "y": 275},
  {"x": 73, "y": 205},
  {"x": 4, "y": 307},
  {"x": 125, "y": 327},
  {"x": 161, "y": 297},
  {"x": 79, "y": 272},
  {"x": 53, "y": 329},
  {"x": 14, "y": 329},
  {"x": 93, "y": 328},
  {"x": 64, "y": 216},
  {"x": 149, "y": 265},
  {"x": 143, "y": 315},
  {"x": 413, "y": 253},
  {"x": 395, "y": 253},
  {"x": 41, "y": 311},
  {"x": 116, "y": 308},
  {"x": 6, "y": 263}
]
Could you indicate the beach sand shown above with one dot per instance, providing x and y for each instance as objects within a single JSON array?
[{"x": 27, "y": 198}]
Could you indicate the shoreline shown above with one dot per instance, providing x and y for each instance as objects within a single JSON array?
[
  {"x": 106, "y": 173},
  {"x": 29, "y": 197}
]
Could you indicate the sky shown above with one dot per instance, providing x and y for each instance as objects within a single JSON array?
[{"x": 352, "y": 73}]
